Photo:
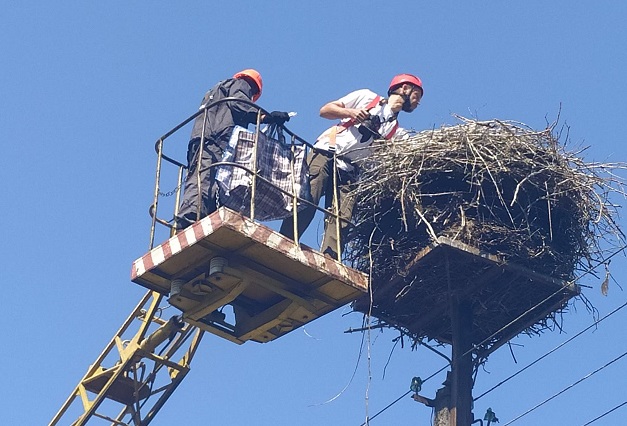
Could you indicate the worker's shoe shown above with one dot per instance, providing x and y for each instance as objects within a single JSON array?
[
  {"x": 329, "y": 252},
  {"x": 181, "y": 223}
]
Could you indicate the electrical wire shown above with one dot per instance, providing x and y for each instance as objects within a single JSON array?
[
  {"x": 389, "y": 405},
  {"x": 385, "y": 367},
  {"x": 589, "y": 270},
  {"x": 605, "y": 414},
  {"x": 367, "y": 422},
  {"x": 514, "y": 321},
  {"x": 552, "y": 350},
  {"x": 404, "y": 395},
  {"x": 368, "y": 324},
  {"x": 361, "y": 347},
  {"x": 586, "y": 272},
  {"x": 587, "y": 376}
]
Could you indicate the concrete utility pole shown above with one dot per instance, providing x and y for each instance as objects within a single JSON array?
[
  {"x": 454, "y": 278},
  {"x": 453, "y": 403},
  {"x": 461, "y": 372},
  {"x": 442, "y": 404}
]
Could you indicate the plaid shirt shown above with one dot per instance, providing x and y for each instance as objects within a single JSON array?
[{"x": 274, "y": 158}]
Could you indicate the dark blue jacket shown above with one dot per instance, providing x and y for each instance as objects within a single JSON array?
[{"x": 222, "y": 118}]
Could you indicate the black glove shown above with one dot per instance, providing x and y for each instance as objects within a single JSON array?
[{"x": 277, "y": 117}]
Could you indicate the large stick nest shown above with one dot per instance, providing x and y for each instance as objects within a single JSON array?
[{"x": 495, "y": 185}]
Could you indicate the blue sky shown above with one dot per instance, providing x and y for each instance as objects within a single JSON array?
[{"x": 86, "y": 90}]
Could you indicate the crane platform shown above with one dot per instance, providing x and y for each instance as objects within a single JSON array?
[{"x": 241, "y": 280}]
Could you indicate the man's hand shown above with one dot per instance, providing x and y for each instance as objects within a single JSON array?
[
  {"x": 358, "y": 115},
  {"x": 337, "y": 110},
  {"x": 277, "y": 117}
]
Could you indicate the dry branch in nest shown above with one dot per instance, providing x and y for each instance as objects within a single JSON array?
[{"x": 495, "y": 185}]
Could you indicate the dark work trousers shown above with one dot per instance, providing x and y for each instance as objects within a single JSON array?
[
  {"x": 321, "y": 181},
  {"x": 188, "y": 212}
]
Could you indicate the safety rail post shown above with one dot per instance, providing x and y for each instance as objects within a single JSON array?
[
  {"x": 177, "y": 197},
  {"x": 160, "y": 157},
  {"x": 253, "y": 184},
  {"x": 336, "y": 209},
  {"x": 201, "y": 152},
  {"x": 294, "y": 194},
  {"x": 155, "y": 200}
]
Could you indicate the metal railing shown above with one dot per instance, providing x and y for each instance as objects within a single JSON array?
[{"x": 296, "y": 200}]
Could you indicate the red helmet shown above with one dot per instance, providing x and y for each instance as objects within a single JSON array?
[
  {"x": 255, "y": 77},
  {"x": 404, "y": 78}
]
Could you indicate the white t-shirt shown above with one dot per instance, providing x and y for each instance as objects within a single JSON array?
[{"x": 348, "y": 140}]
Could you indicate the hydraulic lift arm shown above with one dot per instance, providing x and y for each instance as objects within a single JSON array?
[{"x": 128, "y": 384}]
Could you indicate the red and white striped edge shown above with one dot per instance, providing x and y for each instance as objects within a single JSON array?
[{"x": 224, "y": 217}]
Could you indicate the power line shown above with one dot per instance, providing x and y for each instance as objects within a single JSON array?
[
  {"x": 551, "y": 351},
  {"x": 565, "y": 389},
  {"x": 589, "y": 270},
  {"x": 515, "y": 374},
  {"x": 446, "y": 366},
  {"x": 403, "y": 396},
  {"x": 515, "y": 320},
  {"x": 389, "y": 405},
  {"x": 606, "y": 413}
]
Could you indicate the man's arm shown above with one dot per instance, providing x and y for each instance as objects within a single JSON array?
[
  {"x": 248, "y": 113},
  {"x": 241, "y": 90},
  {"x": 337, "y": 110}
]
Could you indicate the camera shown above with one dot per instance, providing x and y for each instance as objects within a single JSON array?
[{"x": 369, "y": 128}]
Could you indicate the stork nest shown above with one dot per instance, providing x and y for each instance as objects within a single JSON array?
[{"x": 499, "y": 186}]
